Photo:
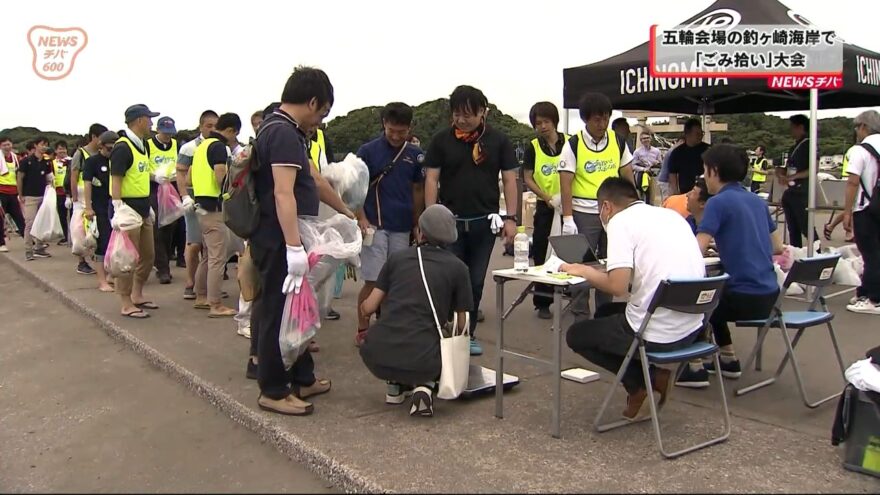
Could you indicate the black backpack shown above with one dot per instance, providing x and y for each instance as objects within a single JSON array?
[
  {"x": 241, "y": 206},
  {"x": 873, "y": 207}
]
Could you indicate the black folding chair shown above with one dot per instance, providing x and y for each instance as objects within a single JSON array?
[
  {"x": 700, "y": 296},
  {"x": 817, "y": 272}
]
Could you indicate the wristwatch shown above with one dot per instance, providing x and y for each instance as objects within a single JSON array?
[{"x": 512, "y": 218}]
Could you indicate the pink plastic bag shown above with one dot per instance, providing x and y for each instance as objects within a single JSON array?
[
  {"x": 300, "y": 320},
  {"x": 122, "y": 255},
  {"x": 170, "y": 207},
  {"x": 784, "y": 260}
]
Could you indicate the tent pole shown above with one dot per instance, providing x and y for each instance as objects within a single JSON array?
[{"x": 814, "y": 145}]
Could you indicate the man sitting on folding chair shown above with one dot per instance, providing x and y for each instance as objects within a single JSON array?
[
  {"x": 746, "y": 239},
  {"x": 646, "y": 245}
]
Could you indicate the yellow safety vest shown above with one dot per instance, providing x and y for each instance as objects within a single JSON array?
[
  {"x": 758, "y": 173},
  {"x": 59, "y": 171},
  {"x": 136, "y": 181},
  {"x": 546, "y": 173},
  {"x": 843, "y": 172},
  {"x": 203, "y": 179},
  {"x": 86, "y": 156},
  {"x": 9, "y": 179},
  {"x": 593, "y": 167},
  {"x": 316, "y": 148},
  {"x": 163, "y": 163}
]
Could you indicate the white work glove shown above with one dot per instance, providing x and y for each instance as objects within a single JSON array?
[
  {"x": 187, "y": 203},
  {"x": 114, "y": 222},
  {"x": 160, "y": 179},
  {"x": 495, "y": 223},
  {"x": 568, "y": 226},
  {"x": 556, "y": 202},
  {"x": 68, "y": 203},
  {"x": 297, "y": 267}
]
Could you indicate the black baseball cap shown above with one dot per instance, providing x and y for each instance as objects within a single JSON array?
[
  {"x": 137, "y": 111},
  {"x": 166, "y": 126}
]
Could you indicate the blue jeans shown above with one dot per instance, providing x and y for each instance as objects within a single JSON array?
[{"x": 474, "y": 247}]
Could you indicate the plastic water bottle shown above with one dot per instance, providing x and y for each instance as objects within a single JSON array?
[{"x": 521, "y": 250}]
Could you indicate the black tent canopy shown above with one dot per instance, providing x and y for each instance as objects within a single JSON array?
[{"x": 626, "y": 80}]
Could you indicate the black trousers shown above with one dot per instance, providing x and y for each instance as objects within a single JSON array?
[
  {"x": 62, "y": 214},
  {"x": 756, "y": 186},
  {"x": 178, "y": 239},
  {"x": 474, "y": 247},
  {"x": 10, "y": 205},
  {"x": 866, "y": 230},
  {"x": 794, "y": 204},
  {"x": 162, "y": 240},
  {"x": 605, "y": 340},
  {"x": 540, "y": 244},
  {"x": 735, "y": 306},
  {"x": 266, "y": 314}
]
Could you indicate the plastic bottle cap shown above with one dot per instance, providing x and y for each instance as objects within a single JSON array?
[{"x": 521, "y": 229}]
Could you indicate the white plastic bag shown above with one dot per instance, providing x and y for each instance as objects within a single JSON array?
[
  {"x": 170, "y": 206},
  {"x": 845, "y": 273},
  {"x": 81, "y": 243},
  {"x": 47, "y": 224},
  {"x": 794, "y": 289},
  {"x": 122, "y": 255},
  {"x": 336, "y": 240},
  {"x": 350, "y": 178},
  {"x": 127, "y": 218}
]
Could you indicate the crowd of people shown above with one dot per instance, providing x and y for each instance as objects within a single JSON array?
[{"x": 431, "y": 219}]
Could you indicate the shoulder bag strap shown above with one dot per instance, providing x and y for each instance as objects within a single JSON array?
[
  {"x": 873, "y": 152},
  {"x": 387, "y": 169},
  {"x": 428, "y": 291}
]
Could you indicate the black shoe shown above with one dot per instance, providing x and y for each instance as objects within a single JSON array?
[
  {"x": 62, "y": 242},
  {"x": 181, "y": 263},
  {"x": 545, "y": 314},
  {"x": 729, "y": 369},
  {"x": 251, "y": 372},
  {"x": 164, "y": 278},
  {"x": 84, "y": 268},
  {"x": 40, "y": 253},
  {"x": 693, "y": 379},
  {"x": 332, "y": 315}
]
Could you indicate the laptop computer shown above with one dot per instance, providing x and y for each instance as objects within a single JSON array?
[{"x": 574, "y": 249}]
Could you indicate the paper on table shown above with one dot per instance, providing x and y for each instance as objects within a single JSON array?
[{"x": 552, "y": 264}]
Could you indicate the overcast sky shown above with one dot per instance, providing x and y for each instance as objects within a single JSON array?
[{"x": 183, "y": 57}]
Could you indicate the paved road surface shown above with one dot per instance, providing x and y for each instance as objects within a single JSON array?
[{"x": 79, "y": 413}]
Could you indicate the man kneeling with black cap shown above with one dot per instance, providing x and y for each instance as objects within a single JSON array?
[{"x": 405, "y": 350}]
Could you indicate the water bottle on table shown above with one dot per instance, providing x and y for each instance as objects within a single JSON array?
[{"x": 521, "y": 250}]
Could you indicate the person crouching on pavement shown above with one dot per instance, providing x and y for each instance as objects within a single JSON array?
[{"x": 405, "y": 350}]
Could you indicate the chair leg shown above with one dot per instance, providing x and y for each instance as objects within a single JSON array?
[
  {"x": 755, "y": 355},
  {"x": 797, "y": 372},
  {"x": 836, "y": 350},
  {"x": 655, "y": 415},
  {"x": 597, "y": 424}
]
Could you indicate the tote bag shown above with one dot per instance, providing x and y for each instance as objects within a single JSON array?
[{"x": 455, "y": 352}]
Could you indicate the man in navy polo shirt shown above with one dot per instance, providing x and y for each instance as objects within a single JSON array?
[
  {"x": 746, "y": 239},
  {"x": 395, "y": 198}
]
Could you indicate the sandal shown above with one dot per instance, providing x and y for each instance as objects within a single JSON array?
[
  {"x": 321, "y": 386},
  {"x": 137, "y": 314},
  {"x": 314, "y": 347},
  {"x": 827, "y": 231},
  {"x": 147, "y": 305}
]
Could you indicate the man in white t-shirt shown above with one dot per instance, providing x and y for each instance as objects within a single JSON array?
[
  {"x": 646, "y": 245},
  {"x": 863, "y": 170}
]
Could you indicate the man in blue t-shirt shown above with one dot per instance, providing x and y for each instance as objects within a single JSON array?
[
  {"x": 746, "y": 239},
  {"x": 394, "y": 200}
]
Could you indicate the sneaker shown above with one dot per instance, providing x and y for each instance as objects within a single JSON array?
[
  {"x": 164, "y": 278},
  {"x": 693, "y": 379},
  {"x": 332, "y": 315},
  {"x": 244, "y": 331},
  {"x": 4, "y": 249},
  {"x": 251, "y": 372},
  {"x": 545, "y": 314},
  {"x": 865, "y": 307},
  {"x": 729, "y": 369},
  {"x": 62, "y": 242},
  {"x": 29, "y": 257},
  {"x": 189, "y": 293},
  {"x": 41, "y": 254},
  {"x": 396, "y": 393},
  {"x": 476, "y": 348},
  {"x": 84, "y": 268},
  {"x": 662, "y": 384},
  {"x": 181, "y": 263},
  {"x": 637, "y": 408},
  {"x": 855, "y": 299},
  {"x": 289, "y": 406},
  {"x": 422, "y": 403}
]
